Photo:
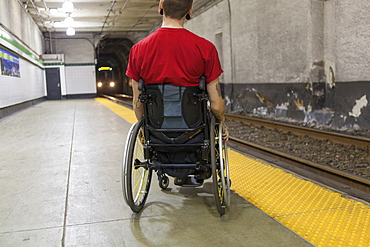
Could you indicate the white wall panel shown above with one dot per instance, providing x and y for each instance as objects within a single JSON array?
[
  {"x": 30, "y": 85},
  {"x": 80, "y": 79}
]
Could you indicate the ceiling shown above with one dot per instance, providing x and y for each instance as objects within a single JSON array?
[{"x": 100, "y": 15}]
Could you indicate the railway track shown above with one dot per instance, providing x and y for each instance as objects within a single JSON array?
[
  {"x": 314, "y": 133},
  {"x": 120, "y": 99},
  {"x": 346, "y": 182}
]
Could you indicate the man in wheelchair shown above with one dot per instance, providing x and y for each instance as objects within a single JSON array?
[
  {"x": 170, "y": 63},
  {"x": 177, "y": 101}
]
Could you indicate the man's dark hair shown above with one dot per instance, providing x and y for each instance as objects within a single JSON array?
[{"x": 176, "y": 9}]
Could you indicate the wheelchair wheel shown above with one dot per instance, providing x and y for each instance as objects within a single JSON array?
[
  {"x": 220, "y": 168},
  {"x": 136, "y": 176},
  {"x": 164, "y": 182}
]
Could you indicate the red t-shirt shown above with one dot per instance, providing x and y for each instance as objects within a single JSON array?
[{"x": 175, "y": 56}]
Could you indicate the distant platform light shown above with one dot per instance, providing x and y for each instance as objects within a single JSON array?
[
  {"x": 105, "y": 68},
  {"x": 112, "y": 84},
  {"x": 100, "y": 84}
]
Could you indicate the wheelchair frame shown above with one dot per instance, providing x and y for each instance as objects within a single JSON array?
[{"x": 140, "y": 156}]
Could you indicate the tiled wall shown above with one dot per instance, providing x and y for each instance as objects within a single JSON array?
[
  {"x": 80, "y": 79},
  {"x": 30, "y": 85}
]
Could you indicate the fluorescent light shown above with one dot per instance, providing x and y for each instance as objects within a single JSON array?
[
  {"x": 53, "y": 11},
  {"x": 5, "y": 35},
  {"x": 58, "y": 24},
  {"x": 48, "y": 24}
]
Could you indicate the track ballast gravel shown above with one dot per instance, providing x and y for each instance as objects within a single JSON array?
[{"x": 347, "y": 158}]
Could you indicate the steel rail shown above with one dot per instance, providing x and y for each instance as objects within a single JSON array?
[
  {"x": 318, "y": 134},
  {"x": 119, "y": 99}
]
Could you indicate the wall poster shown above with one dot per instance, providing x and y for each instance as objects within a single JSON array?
[{"x": 9, "y": 64}]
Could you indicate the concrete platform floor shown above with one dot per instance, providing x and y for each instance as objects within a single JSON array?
[{"x": 60, "y": 185}]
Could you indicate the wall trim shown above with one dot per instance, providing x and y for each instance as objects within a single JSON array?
[
  {"x": 80, "y": 96},
  {"x": 9, "y": 110},
  {"x": 79, "y": 64},
  {"x": 11, "y": 42}
]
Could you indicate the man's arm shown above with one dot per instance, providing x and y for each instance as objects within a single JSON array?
[
  {"x": 217, "y": 105},
  {"x": 138, "y": 107},
  {"x": 215, "y": 98}
]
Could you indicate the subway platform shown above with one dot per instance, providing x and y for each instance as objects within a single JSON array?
[{"x": 60, "y": 185}]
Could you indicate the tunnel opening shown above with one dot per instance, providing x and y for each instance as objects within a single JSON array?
[{"x": 112, "y": 59}]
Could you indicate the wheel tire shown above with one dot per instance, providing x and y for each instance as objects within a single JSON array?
[
  {"x": 226, "y": 173},
  {"x": 136, "y": 176},
  {"x": 218, "y": 189},
  {"x": 164, "y": 182}
]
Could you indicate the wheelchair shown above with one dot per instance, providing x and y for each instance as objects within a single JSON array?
[{"x": 177, "y": 137}]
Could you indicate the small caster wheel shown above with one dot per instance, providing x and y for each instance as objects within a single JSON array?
[{"x": 164, "y": 182}]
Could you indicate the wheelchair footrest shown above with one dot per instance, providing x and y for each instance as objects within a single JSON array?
[{"x": 189, "y": 181}]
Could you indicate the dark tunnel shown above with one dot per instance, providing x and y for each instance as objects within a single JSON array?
[{"x": 112, "y": 58}]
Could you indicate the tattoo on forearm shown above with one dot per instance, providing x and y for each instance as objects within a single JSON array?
[{"x": 218, "y": 88}]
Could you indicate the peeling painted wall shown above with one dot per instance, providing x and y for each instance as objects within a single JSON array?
[
  {"x": 345, "y": 106},
  {"x": 351, "y": 105}
]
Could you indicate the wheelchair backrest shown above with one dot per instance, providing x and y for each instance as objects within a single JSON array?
[{"x": 174, "y": 107}]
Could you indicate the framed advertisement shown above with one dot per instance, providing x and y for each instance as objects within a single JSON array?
[{"x": 9, "y": 64}]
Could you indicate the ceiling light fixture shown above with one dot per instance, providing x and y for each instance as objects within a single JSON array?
[
  {"x": 71, "y": 31},
  {"x": 68, "y": 6},
  {"x": 69, "y": 20}
]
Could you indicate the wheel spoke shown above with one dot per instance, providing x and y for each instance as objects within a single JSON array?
[
  {"x": 136, "y": 174},
  {"x": 140, "y": 186}
]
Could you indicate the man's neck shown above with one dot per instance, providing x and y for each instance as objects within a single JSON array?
[{"x": 172, "y": 23}]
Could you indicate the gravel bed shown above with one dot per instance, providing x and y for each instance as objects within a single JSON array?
[{"x": 348, "y": 158}]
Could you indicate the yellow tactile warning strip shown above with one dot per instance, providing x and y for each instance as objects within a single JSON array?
[
  {"x": 121, "y": 111},
  {"x": 321, "y": 216}
]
